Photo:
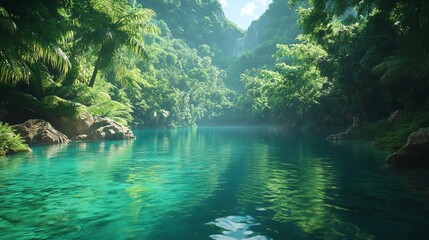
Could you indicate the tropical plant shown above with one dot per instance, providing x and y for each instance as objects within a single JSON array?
[
  {"x": 110, "y": 25},
  {"x": 9, "y": 141},
  {"x": 29, "y": 34},
  {"x": 294, "y": 88}
]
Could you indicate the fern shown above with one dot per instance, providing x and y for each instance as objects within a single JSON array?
[
  {"x": 55, "y": 106},
  {"x": 9, "y": 141},
  {"x": 114, "y": 110},
  {"x": 21, "y": 101},
  {"x": 80, "y": 93}
]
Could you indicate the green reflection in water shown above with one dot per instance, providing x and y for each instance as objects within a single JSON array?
[
  {"x": 118, "y": 190},
  {"x": 172, "y": 184},
  {"x": 295, "y": 186}
]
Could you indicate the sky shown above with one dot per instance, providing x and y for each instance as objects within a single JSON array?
[{"x": 243, "y": 12}]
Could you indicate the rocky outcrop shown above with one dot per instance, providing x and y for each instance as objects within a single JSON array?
[
  {"x": 73, "y": 127},
  {"x": 414, "y": 153},
  {"x": 396, "y": 117},
  {"x": 37, "y": 131},
  {"x": 351, "y": 133},
  {"x": 106, "y": 129}
]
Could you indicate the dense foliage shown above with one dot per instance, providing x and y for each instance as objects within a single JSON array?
[
  {"x": 374, "y": 61},
  {"x": 9, "y": 141},
  {"x": 106, "y": 58},
  {"x": 278, "y": 25},
  {"x": 198, "y": 23},
  {"x": 189, "y": 65},
  {"x": 184, "y": 87},
  {"x": 289, "y": 93}
]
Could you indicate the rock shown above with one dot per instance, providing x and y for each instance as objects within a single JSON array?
[
  {"x": 73, "y": 127},
  {"x": 351, "y": 133},
  {"x": 414, "y": 153},
  {"x": 105, "y": 128},
  {"x": 81, "y": 137},
  {"x": 38, "y": 131},
  {"x": 397, "y": 116}
]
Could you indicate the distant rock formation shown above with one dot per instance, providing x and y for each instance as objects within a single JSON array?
[
  {"x": 37, "y": 131},
  {"x": 414, "y": 153},
  {"x": 351, "y": 133},
  {"x": 397, "y": 117}
]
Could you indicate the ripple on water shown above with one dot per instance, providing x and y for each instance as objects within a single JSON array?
[{"x": 236, "y": 227}]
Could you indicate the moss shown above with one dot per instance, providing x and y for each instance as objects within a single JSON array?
[
  {"x": 392, "y": 137},
  {"x": 9, "y": 141}
]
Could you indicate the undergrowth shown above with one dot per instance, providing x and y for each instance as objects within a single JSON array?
[
  {"x": 393, "y": 136},
  {"x": 9, "y": 141}
]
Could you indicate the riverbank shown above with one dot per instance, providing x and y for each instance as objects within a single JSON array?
[
  {"x": 391, "y": 133},
  {"x": 404, "y": 134}
]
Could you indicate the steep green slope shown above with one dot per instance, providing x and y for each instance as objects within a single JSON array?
[
  {"x": 278, "y": 25},
  {"x": 197, "y": 23}
]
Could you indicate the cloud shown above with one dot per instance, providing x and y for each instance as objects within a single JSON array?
[
  {"x": 223, "y": 3},
  {"x": 248, "y": 10},
  {"x": 263, "y": 3},
  {"x": 254, "y": 8}
]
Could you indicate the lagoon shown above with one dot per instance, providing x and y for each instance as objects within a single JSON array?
[{"x": 211, "y": 183}]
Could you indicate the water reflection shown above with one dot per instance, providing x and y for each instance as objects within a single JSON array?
[
  {"x": 236, "y": 227},
  {"x": 297, "y": 188},
  {"x": 170, "y": 184}
]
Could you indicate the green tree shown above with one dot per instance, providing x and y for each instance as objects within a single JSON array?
[
  {"x": 290, "y": 91},
  {"x": 115, "y": 25},
  {"x": 29, "y": 33}
]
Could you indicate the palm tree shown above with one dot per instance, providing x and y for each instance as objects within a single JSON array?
[
  {"x": 117, "y": 25},
  {"x": 28, "y": 35}
]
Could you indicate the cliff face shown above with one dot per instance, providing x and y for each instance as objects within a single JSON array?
[
  {"x": 197, "y": 23},
  {"x": 276, "y": 25}
]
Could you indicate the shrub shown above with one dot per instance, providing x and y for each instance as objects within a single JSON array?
[{"x": 9, "y": 141}]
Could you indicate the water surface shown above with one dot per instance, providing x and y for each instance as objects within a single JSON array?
[{"x": 211, "y": 183}]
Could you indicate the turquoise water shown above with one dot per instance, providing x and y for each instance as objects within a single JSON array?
[{"x": 211, "y": 183}]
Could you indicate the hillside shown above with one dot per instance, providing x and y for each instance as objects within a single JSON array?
[{"x": 198, "y": 23}]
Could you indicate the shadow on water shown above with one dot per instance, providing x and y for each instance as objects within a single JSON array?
[{"x": 210, "y": 183}]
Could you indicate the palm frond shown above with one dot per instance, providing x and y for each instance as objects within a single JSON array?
[
  {"x": 48, "y": 53},
  {"x": 55, "y": 106},
  {"x": 112, "y": 109},
  {"x": 80, "y": 93},
  {"x": 137, "y": 18},
  {"x": 6, "y": 22},
  {"x": 110, "y": 7},
  {"x": 396, "y": 68},
  {"x": 13, "y": 70},
  {"x": 137, "y": 46},
  {"x": 23, "y": 102}
]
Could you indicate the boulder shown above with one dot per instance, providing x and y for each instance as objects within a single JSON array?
[
  {"x": 108, "y": 129},
  {"x": 73, "y": 127},
  {"x": 351, "y": 133},
  {"x": 38, "y": 131},
  {"x": 397, "y": 117},
  {"x": 414, "y": 153}
]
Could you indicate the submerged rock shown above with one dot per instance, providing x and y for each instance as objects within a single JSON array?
[
  {"x": 351, "y": 133},
  {"x": 106, "y": 129},
  {"x": 38, "y": 131},
  {"x": 414, "y": 153}
]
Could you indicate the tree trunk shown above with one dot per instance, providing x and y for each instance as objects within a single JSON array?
[
  {"x": 96, "y": 67},
  {"x": 73, "y": 74}
]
